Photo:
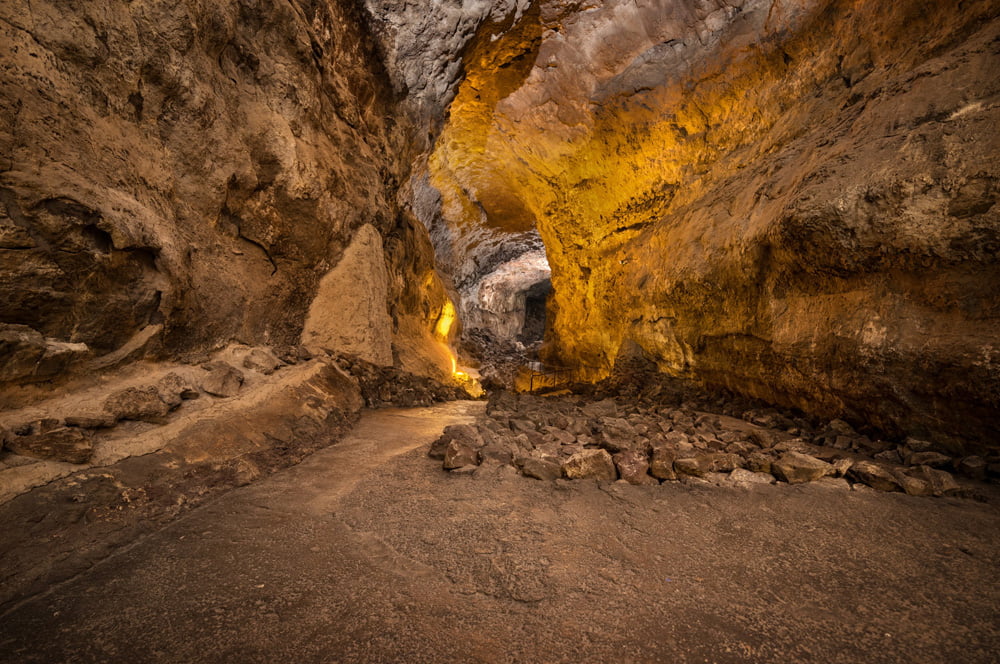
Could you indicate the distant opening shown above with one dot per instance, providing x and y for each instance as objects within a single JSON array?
[{"x": 535, "y": 299}]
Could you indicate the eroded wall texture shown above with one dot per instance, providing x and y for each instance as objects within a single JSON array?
[
  {"x": 175, "y": 176},
  {"x": 794, "y": 199}
]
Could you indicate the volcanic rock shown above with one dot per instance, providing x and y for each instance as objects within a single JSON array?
[
  {"x": 222, "y": 379},
  {"x": 796, "y": 468},
  {"x": 137, "y": 403},
  {"x": 590, "y": 464}
]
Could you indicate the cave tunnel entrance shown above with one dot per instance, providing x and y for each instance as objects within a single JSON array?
[{"x": 535, "y": 305}]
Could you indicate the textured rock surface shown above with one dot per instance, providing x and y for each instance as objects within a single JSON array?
[
  {"x": 795, "y": 200},
  {"x": 176, "y": 176}
]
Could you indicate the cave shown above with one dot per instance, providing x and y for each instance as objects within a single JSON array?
[
  {"x": 535, "y": 303},
  {"x": 506, "y": 330}
]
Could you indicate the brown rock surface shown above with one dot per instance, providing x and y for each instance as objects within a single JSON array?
[
  {"x": 63, "y": 444},
  {"x": 798, "y": 204},
  {"x": 176, "y": 176},
  {"x": 590, "y": 464}
]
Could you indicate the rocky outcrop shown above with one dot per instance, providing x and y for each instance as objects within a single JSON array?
[
  {"x": 793, "y": 200},
  {"x": 178, "y": 176}
]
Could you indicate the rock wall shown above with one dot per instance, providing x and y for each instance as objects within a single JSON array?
[
  {"x": 176, "y": 176},
  {"x": 794, "y": 199}
]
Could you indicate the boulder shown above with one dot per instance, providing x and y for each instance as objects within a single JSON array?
[
  {"x": 932, "y": 459},
  {"x": 559, "y": 436},
  {"x": 797, "y": 468},
  {"x": 464, "y": 433},
  {"x": 496, "y": 452},
  {"x": 941, "y": 482},
  {"x": 745, "y": 478},
  {"x": 617, "y": 434},
  {"x": 222, "y": 379},
  {"x": 604, "y": 408},
  {"x": 262, "y": 361},
  {"x": 633, "y": 467},
  {"x": 723, "y": 462},
  {"x": 459, "y": 454},
  {"x": 590, "y": 464},
  {"x": 72, "y": 445},
  {"x": 841, "y": 466},
  {"x": 174, "y": 389},
  {"x": 689, "y": 466},
  {"x": 541, "y": 469},
  {"x": 972, "y": 466},
  {"x": 137, "y": 403},
  {"x": 874, "y": 475},
  {"x": 759, "y": 462},
  {"x": 662, "y": 464},
  {"x": 914, "y": 486}
]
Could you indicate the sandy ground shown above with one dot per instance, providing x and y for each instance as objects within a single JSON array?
[{"x": 368, "y": 552}]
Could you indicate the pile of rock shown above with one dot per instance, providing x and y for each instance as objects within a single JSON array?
[
  {"x": 71, "y": 438},
  {"x": 389, "y": 386},
  {"x": 608, "y": 439}
]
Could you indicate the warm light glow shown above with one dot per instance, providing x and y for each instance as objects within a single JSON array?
[{"x": 444, "y": 322}]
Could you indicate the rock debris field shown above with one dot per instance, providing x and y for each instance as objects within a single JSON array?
[{"x": 646, "y": 442}]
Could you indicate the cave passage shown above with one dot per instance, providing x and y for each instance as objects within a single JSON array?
[{"x": 535, "y": 302}]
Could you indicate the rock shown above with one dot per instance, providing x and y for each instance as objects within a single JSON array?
[
  {"x": 941, "y": 482},
  {"x": 43, "y": 425},
  {"x": 932, "y": 459},
  {"x": 262, "y": 361},
  {"x": 759, "y": 463},
  {"x": 689, "y": 466},
  {"x": 721, "y": 462},
  {"x": 590, "y": 464},
  {"x": 559, "y": 436},
  {"x": 744, "y": 477},
  {"x": 541, "y": 469},
  {"x": 662, "y": 464},
  {"x": 874, "y": 475},
  {"x": 604, "y": 408},
  {"x": 71, "y": 445},
  {"x": 972, "y": 466},
  {"x": 837, "y": 483},
  {"x": 633, "y": 467},
  {"x": 91, "y": 421},
  {"x": 459, "y": 454},
  {"x": 889, "y": 456},
  {"x": 521, "y": 425},
  {"x": 617, "y": 435},
  {"x": 841, "y": 466},
  {"x": 27, "y": 356},
  {"x": 917, "y": 445},
  {"x": 914, "y": 486},
  {"x": 797, "y": 468},
  {"x": 463, "y": 433},
  {"x": 137, "y": 403},
  {"x": 174, "y": 389},
  {"x": 222, "y": 379},
  {"x": 496, "y": 452},
  {"x": 767, "y": 438}
]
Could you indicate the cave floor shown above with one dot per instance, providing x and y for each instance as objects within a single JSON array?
[{"x": 368, "y": 552}]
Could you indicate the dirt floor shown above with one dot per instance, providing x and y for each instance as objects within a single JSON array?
[{"x": 369, "y": 552}]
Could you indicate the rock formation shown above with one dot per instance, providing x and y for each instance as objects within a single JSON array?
[
  {"x": 175, "y": 177},
  {"x": 795, "y": 200}
]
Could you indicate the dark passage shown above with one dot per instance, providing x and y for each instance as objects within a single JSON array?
[{"x": 534, "y": 312}]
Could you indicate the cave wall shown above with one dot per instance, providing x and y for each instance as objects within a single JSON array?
[
  {"x": 176, "y": 176},
  {"x": 794, "y": 199}
]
